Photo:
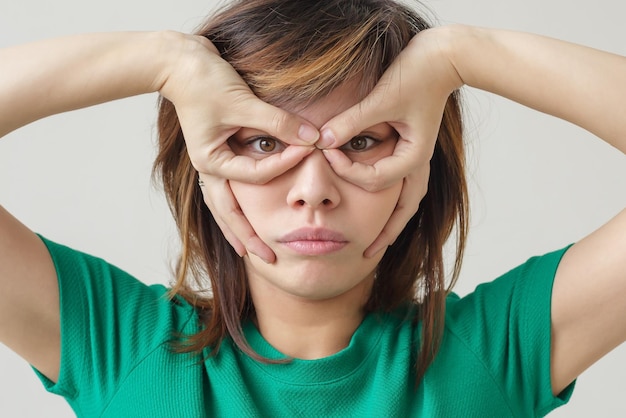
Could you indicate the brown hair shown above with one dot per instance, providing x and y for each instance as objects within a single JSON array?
[{"x": 296, "y": 52}]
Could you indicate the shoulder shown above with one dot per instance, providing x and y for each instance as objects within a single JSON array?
[
  {"x": 110, "y": 322},
  {"x": 502, "y": 332},
  {"x": 529, "y": 283}
]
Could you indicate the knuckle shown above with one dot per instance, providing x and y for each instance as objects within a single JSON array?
[
  {"x": 259, "y": 180},
  {"x": 260, "y": 177},
  {"x": 277, "y": 123},
  {"x": 374, "y": 183},
  {"x": 351, "y": 119}
]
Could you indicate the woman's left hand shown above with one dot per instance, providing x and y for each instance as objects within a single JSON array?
[{"x": 410, "y": 96}]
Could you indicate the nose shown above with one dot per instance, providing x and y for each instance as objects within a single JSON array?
[{"x": 314, "y": 184}]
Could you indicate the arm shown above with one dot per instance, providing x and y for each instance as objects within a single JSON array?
[
  {"x": 54, "y": 76},
  {"x": 586, "y": 87},
  {"x": 575, "y": 83},
  {"x": 38, "y": 80},
  {"x": 29, "y": 297}
]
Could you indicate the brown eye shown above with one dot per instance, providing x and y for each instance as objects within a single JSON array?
[
  {"x": 267, "y": 144},
  {"x": 263, "y": 146},
  {"x": 359, "y": 143}
]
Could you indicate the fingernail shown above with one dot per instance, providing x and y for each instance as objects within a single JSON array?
[
  {"x": 308, "y": 134},
  {"x": 329, "y": 156},
  {"x": 327, "y": 139}
]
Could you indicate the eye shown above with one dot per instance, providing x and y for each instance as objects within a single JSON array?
[
  {"x": 360, "y": 144},
  {"x": 265, "y": 145}
]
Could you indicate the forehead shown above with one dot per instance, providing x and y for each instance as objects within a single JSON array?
[{"x": 321, "y": 111}]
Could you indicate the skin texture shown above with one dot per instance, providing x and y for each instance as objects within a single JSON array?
[{"x": 302, "y": 284}]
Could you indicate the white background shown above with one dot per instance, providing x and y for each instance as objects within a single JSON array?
[{"x": 83, "y": 179}]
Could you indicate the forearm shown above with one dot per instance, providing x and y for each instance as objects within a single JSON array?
[
  {"x": 576, "y": 83},
  {"x": 586, "y": 87},
  {"x": 54, "y": 76}
]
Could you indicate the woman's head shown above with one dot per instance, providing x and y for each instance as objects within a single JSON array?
[
  {"x": 317, "y": 224},
  {"x": 294, "y": 54}
]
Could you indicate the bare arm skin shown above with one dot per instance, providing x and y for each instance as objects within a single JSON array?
[
  {"x": 572, "y": 82},
  {"x": 29, "y": 297},
  {"x": 38, "y": 80},
  {"x": 585, "y": 87},
  {"x": 54, "y": 76}
]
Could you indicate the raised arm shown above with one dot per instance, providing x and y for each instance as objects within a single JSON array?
[
  {"x": 584, "y": 86},
  {"x": 54, "y": 76},
  {"x": 579, "y": 84},
  {"x": 575, "y": 83},
  {"x": 57, "y": 75},
  {"x": 38, "y": 80}
]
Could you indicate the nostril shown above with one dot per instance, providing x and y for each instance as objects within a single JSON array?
[
  {"x": 300, "y": 202},
  {"x": 326, "y": 202}
]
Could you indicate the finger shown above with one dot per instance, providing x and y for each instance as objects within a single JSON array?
[
  {"x": 232, "y": 239},
  {"x": 382, "y": 174},
  {"x": 370, "y": 111},
  {"x": 252, "y": 112},
  {"x": 207, "y": 184},
  {"x": 413, "y": 191},
  {"x": 226, "y": 164},
  {"x": 363, "y": 175},
  {"x": 231, "y": 220},
  {"x": 227, "y": 210}
]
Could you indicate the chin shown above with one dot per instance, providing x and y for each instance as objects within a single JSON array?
[
  {"x": 321, "y": 291},
  {"x": 315, "y": 279}
]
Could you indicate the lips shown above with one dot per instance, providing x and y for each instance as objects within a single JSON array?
[{"x": 314, "y": 241}]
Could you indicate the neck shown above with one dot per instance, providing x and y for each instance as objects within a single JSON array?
[{"x": 308, "y": 329}]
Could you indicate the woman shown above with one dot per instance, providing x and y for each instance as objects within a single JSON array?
[{"x": 316, "y": 270}]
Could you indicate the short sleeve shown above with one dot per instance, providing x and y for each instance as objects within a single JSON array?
[
  {"x": 109, "y": 322},
  {"x": 507, "y": 324}
]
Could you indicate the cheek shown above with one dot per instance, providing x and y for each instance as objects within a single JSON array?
[
  {"x": 257, "y": 202},
  {"x": 249, "y": 197},
  {"x": 371, "y": 211},
  {"x": 364, "y": 211}
]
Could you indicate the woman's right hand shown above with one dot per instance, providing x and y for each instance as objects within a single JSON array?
[
  {"x": 213, "y": 102},
  {"x": 57, "y": 75}
]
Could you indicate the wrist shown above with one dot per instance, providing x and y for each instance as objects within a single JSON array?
[
  {"x": 184, "y": 59},
  {"x": 470, "y": 50},
  {"x": 167, "y": 53},
  {"x": 438, "y": 47}
]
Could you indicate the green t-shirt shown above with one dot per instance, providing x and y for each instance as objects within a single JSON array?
[{"x": 116, "y": 360}]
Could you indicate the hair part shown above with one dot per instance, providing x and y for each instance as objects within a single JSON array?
[{"x": 294, "y": 53}]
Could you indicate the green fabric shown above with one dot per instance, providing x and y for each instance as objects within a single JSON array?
[{"x": 116, "y": 360}]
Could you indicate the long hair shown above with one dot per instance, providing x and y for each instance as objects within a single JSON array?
[{"x": 296, "y": 52}]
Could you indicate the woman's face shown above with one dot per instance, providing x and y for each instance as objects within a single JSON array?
[{"x": 317, "y": 224}]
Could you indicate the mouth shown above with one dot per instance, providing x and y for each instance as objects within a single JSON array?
[{"x": 314, "y": 241}]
